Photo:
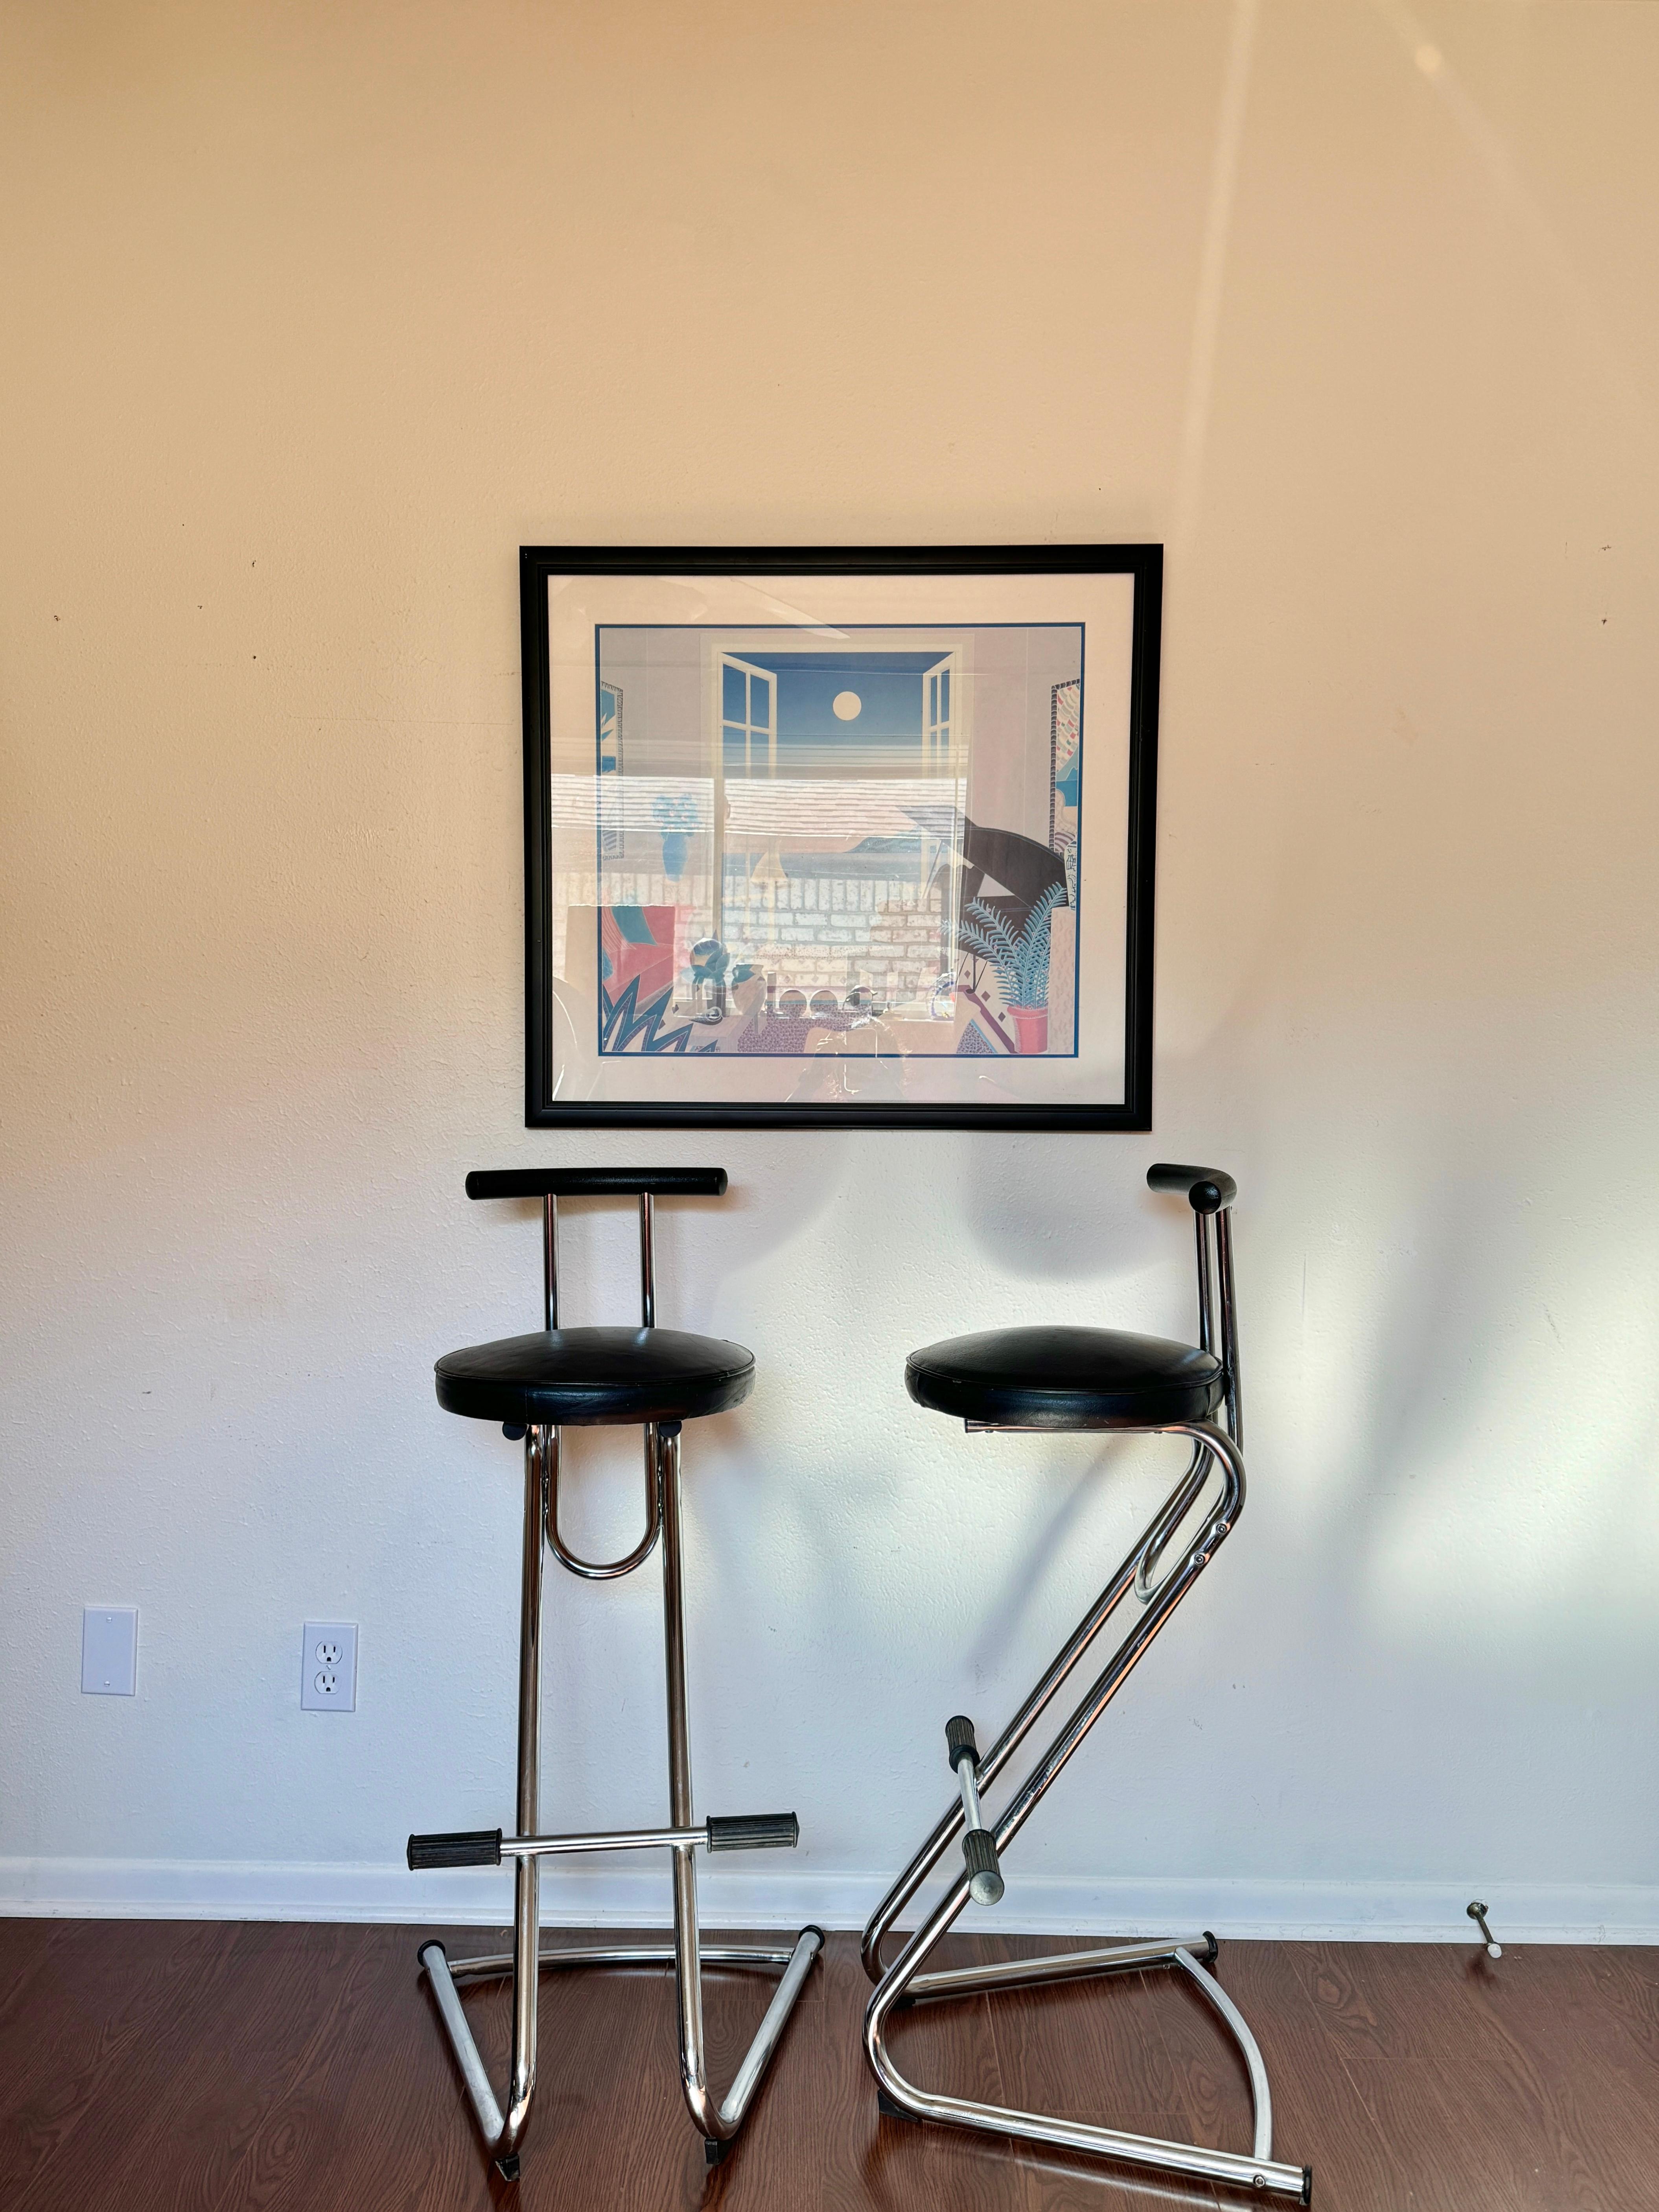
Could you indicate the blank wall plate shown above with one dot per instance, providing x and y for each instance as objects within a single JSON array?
[
  {"x": 109, "y": 1652},
  {"x": 328, "y": 1668}
]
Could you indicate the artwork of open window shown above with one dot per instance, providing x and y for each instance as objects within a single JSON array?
[{"x": 858, "y": 838}]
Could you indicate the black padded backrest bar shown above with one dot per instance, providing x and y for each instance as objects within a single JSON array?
[
  {"x": 596, "y": 1182},
  {"x": 1206, "y": 1190}
]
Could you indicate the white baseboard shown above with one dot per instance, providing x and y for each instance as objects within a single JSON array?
[{"x": 1330, "y": 1911}]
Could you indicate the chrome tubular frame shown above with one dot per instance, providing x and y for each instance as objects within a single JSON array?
[
  {"x": 604, "y": 1571},
  {"x": 761, "y": 1956},
  {"x": 550, "y": 1263},
  {"x": 718, "y": 2121},
  {"x": 903, "y": 1981}
]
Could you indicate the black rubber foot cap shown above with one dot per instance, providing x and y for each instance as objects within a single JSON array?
[
  {"x": 713, "y": 2151},
  {"x": 885, "y": 2105},
  {"x": 507, "y": 2168},
  {"x": 1307, "y": 2184}
]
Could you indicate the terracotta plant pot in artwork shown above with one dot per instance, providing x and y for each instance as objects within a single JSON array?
[{"x": 1030, "y": 1028}]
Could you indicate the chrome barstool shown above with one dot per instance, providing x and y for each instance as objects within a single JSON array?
[
  {"x": 1085, "y": 1379},
  {"x": 534, "y": 1385}
]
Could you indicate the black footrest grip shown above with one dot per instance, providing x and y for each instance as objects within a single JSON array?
[
  {"x": 979, "y": 1849},
  {"x": 754, "y": 1832},
  {"x": 466, "y": 1847},
  {"x": 959, "y": 1741}
]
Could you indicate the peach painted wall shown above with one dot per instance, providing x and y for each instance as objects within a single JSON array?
[{"x": 311, "y": 315}]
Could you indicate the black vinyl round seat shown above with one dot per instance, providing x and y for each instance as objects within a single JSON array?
[
  {"x": 575, "y": 1377},
  {"x": 1065, "y": 1379}
]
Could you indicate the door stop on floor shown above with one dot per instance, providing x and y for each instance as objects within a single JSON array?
[{"x": 1477, "y": 1913}]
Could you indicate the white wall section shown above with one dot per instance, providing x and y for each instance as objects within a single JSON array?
[{"x": 313, "y": 316}]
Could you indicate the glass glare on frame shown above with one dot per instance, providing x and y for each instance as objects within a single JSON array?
[{"x": 867, "y": 849}]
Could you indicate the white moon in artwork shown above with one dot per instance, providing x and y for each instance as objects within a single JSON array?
[{"x": 847, "y": 704}]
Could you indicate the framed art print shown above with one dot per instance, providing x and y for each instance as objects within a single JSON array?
[{"x": 818, "y": 836}]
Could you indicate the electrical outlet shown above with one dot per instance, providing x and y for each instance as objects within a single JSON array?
[
  {"x": 328, "y": 1668},
  {"x": 109, "y": 1652}
]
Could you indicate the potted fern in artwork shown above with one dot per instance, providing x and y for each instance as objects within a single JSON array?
[{"x": 1021, "y": 961}]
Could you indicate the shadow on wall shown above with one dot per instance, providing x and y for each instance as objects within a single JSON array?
[
  {"x": 1066, "y": 1209},
  {"x": 1026, "y": 1583},
  {"x": 1447, "y": 1332},
  {"x": 1500, "y": 1491}
]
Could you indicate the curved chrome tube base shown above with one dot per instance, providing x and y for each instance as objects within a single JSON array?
[
  {"x": 904, "y": 1982},
  {"x": 719, "y": 2125},
  {"x": 1261, "y": 2171}
]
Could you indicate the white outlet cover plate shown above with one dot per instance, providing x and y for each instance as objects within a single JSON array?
[
  {"x": 109, "y": 1652},
  {"x": 328, "y": 1668}
]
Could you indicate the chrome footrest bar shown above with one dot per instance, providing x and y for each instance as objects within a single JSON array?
[
  {"x": 613, "y": 1840},
  {"x": 738, "y": 1831},
  {"x": 979, "y": 1846}
]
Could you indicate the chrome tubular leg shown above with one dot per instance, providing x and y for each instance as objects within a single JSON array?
[
  {"x": 717, "y": 2124},
  {"x": 1135, "y": 1566},
  {"x": 500, "y": 2135},
  {"x": 688, "y": 1978},
  {"x": 1168, "y": 1594},
  {"x": 1158, "y": 1538},
  {"x": 1259, "y": 2170},
  {"x": 526, "y": 1934},
  {"x": 482, "y": 2097}
]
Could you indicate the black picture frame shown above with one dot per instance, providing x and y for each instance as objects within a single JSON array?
[{"x": 1144, "y": 562}]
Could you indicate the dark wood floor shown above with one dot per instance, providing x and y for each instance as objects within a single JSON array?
[{"x": 150, "y": 2064}]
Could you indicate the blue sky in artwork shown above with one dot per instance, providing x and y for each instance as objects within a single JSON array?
[
  {"x": 885, "y": 738},
  {"x": 814, "y": 739},
  {"x": 889, "y": 711}
]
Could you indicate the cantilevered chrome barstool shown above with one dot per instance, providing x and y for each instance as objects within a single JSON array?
[
  {"x": 1087, "y": 1379},
  {"x": 534, "y": 1385}
]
